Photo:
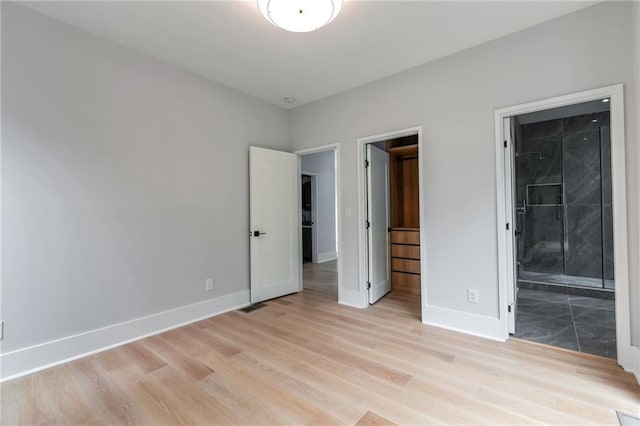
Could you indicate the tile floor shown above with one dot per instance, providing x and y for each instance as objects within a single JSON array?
[{"x": 581, "y": 323}]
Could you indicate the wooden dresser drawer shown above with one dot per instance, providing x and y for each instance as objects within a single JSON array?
[
  {"x": 405, "y": 251},
  {"x": 405, "y": 237},
  {"x": 405, "y": 265},
  {"x": 408, "y": 283}
]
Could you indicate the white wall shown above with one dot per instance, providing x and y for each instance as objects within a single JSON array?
[
  {"x": 635, "y": 289},
  {"x": 324, "y": 164},
  {"x": 124, "y": 182},
  {"x": 454, "y": 99}
]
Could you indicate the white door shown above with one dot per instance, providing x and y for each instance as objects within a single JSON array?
[
  {"x": 274, "y": 216},
  {"x": 378, "y": 222}
]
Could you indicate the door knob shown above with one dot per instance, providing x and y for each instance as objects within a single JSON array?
[{"x": 258, "y": 233}]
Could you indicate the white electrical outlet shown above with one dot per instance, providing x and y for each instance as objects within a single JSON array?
[
  {"x": 208, "y": 285},
  {"x": 348, "y": 212},
  {"x": 472, "y": 295}
]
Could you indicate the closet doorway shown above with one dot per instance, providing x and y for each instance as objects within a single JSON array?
[{"x": 392, "y": 255}]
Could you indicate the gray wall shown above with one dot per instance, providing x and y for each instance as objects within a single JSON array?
[
  {"x": 635, "y": 272},
  {"x": 124, "y": 181},
  {"x": 454, "y": 99},
  {"x": 323, "y": 163}
]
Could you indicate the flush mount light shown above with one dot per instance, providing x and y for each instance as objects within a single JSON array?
[
  {"x": 605, "y": 100},
  {"x": 300, "y": 16}
]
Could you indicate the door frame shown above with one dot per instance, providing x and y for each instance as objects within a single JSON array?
[
  {"x": 505, "y": 207},
  {"x": 314, "y": 215},
  {"x": 335, "y": 147},
  {"x": 362, "y": 211}
]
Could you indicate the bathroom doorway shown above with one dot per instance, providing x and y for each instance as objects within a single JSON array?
[
  {"x": 564, "y": 227},
  {"x": 562, "y": 196}
]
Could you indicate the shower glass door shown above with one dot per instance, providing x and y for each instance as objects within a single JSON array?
[{"x": 563, "y": 201}]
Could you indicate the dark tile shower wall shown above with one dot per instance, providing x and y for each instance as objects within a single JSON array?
[
  {"x": 542, "y": 226},
  {"x": 570, "y": 233}
]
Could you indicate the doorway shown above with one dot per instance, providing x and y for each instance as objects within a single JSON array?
[
  {"x": 564, "y": 227},
  {"x": 309, "y": 190},
  {"x": 564, "y": 193},
  {"x": 391, "y": 206},
  {"x": 319, "y": 221}
]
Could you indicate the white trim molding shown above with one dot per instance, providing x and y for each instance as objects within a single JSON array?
[
  {"x": 362, "y": 211},
  {"x": 353, "y": 298},
  {"x": 29, "y": 360},
  {"x": 328, "y": 256},
  {"x": 627, "y": 355},
  {"x": 464, "y": 322},
  {"x": 636, "y": 357}
]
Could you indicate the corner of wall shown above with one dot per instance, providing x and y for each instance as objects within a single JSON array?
[
  {"x": 636, "y": 371},
  {"x": 635, "y": 115},
  {"x": 351, "y": 298}
]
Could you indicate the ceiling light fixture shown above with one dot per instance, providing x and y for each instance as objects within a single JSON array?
[{"x": 300, "y": 16}]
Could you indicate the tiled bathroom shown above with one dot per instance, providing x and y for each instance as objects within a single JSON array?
[{"x": 564, "y": 228}]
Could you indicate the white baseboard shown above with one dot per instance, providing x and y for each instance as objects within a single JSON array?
[
  {"x": 464, "y": 322},
  {"x": 39, "y": 357},
  {"x": 636, "y": 362},
  {"x": 351, "y": 298},
  {"x": 326, "y": 257}
]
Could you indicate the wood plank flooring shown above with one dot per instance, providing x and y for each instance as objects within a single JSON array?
[{"x": 304, "y": 359}]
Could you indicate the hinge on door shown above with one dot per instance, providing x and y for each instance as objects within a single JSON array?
[
  {"x": 509, "y": 308},
  {"x": 368, "y": 285},
  {"x": 368, "y": 224},
  {"x": 506, "y": 144},
  {"x": 507, "y": 226},
  {"x": 366, "y": 163}
]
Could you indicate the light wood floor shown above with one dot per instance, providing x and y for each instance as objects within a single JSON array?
[{"x": 304, "y": 359}]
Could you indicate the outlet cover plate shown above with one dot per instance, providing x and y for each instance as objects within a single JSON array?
[{"x": 472, "y": 295}]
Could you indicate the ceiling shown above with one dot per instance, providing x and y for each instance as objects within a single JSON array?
[{"x": 230, "y": 42}]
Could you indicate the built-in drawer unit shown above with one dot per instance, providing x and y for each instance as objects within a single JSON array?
[
  {"x": 405, "y": 236},
  {"x": 407, "y": 283},
  {"x": 405, "y": 265},
  {"x": 405, "y": 260},
  {"x": 405, "y": 251}
]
